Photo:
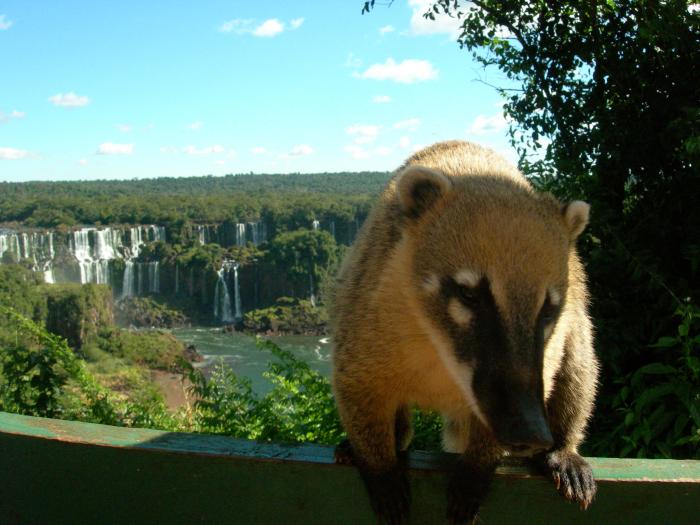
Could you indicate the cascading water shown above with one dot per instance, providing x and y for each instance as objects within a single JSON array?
[
  {"x": 238, "y": 313},
  {"x": 222, "y": 298},
  {"x": 240, "y": 234},
  {"x": 315, "y": 224},
  {"x": 128, "y": 284},
  {"x": 153, "y": 277}
]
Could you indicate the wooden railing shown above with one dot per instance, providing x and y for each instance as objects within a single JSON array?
[{"x": 61, "y": 472}]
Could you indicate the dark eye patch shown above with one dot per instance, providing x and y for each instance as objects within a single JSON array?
[{"x": 470, "y": 296}]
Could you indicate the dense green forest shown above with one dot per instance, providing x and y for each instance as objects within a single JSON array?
[{"x": 285, "y": 201}]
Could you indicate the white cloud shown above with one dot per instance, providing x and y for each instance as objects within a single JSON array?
[
  {"x": 168, "y": 149},
  {"x": 69, "y": 100},
  {"x": 410, "y": 124},
  {"x": 406, "y": 72},
  {"x": 83, "y": 162},
  {"x": 381, "y": 99},
  {"x": 269, "y": 28},
  {"x": 484, "y": 124},
  {"x": 124, "y": 128},
  {"x": 301, "y": 149},
  {"x": 209, "y": 150},
  {"x": 296, "y": 23},
  {"x": 13, "y": 115},
  {"x": 258, "y": 150},
  {"x": 404, "y": 142},
  {"x": 110, "y": 148},
  {"x": 14, "y": 154},
  {"x": 196, "y": 125},
  {"x": 424, "y": 26},
  {"x": 363, "y": 133},
  {"x": 4, "y": 23},
  {"x": 386, "y": 29},
  {"x": 356, "y": 152},
  {"x": 237, "y": 25}
]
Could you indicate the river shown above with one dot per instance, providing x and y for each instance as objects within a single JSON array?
[{"x": 239, "y": 352}]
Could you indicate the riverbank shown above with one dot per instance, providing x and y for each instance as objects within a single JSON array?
[{"x": 174, "y": 387}]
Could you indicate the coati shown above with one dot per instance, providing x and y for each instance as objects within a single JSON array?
[{"x": 463, "y": 293}]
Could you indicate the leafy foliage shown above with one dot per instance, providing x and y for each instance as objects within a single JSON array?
[
  {"x": 36, "y": 369},
  {"x": 660, "y": 401},
  {"x": 288, "y": 316},
  {"x": 299, "y": 407}
]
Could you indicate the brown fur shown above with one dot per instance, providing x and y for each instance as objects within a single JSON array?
[{"x": 387, "y": 332}]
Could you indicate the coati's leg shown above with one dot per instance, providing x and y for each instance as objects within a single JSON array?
[
  {"x": 377, "y": 446},
  {"x": 474, "y": 469},
  {"x": 568, "y": 409}
]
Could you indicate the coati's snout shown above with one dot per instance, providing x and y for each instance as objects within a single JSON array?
[{"x": 516, "y": 418}]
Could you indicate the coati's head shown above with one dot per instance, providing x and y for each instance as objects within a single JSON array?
[{"x": 490, "y": 270}]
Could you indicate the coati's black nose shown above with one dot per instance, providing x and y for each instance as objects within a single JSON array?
[{"x": 529, "y": 436}]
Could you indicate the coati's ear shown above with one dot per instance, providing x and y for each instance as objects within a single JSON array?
[
  {"x": 576, "y": 217},
  {"x": 419, "y": 188}
]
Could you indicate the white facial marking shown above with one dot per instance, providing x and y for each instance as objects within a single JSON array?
[
  {"x": 431, "y": 284},
  {"x": 467, "y": 277},
  {"x": 460, "y": 314},
  {"x": 461, "y": 372},
  {"x": 554, "y": 296}
]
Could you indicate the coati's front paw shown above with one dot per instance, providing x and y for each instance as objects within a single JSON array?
[
  {"x": 389, "y": 494},
  {"x": 572, "y": 476},
  {"x": 467, "y": 490}
]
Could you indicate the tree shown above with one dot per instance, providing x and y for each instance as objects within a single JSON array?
[
  {"x": 306, "y": 256},
  {"x": 606, "y": 107}
]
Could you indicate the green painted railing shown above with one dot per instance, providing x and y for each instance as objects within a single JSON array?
[{"x": 55, "y": 472}]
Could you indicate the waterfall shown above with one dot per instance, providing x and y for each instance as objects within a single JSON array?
[
  {"x": 48, "y": 275},
  {"x": 90, "y": 250},
  {"x": 153, "y": 277},
  {"x": 315, "y": 224},
  {"x": 177, "y": 278},
  {"x": 238, "y": 314},
  {"x": 80, "y": 248},
  {"x": 240, "y": 234},
  {"x": 222, "y": 298},
  {"x": 128, "y": 288},
  {"x": 3, "y": 245},
  {"x": 312, "y": 295}
]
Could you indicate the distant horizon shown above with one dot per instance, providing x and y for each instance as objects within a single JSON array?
[
  {"x": 91, "y": 91},
  {"x": 184, "y": 177}
]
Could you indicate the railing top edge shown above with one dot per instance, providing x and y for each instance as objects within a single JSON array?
[{"x": 90, "y": 434}]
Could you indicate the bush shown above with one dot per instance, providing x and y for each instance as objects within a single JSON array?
[{"x": 659, "y": 403}]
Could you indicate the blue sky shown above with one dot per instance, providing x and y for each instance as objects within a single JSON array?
[{"x": 96, "y": 90}]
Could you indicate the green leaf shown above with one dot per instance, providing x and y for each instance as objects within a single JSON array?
[{"x": 665, "y": 342}]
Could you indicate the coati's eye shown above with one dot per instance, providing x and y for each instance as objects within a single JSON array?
[{"x": 468, "y": 296}]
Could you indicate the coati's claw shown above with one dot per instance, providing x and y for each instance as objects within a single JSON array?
[
  {"x": 572, "y": 476},
  {"x": 389, "y": 494}
]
